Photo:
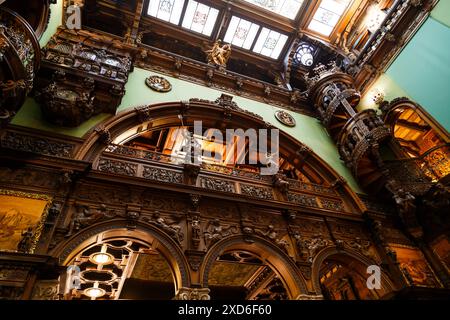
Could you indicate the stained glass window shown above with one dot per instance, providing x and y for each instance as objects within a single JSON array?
[
  {"x": 270, "y": 43},
  {"x": 286, "y": 8},
  {"x": 328, "y": 15},
  {"x": 241, "y": 33},
  {"x": 167, "y": 10},
  {"x": 200, "y": 18}
]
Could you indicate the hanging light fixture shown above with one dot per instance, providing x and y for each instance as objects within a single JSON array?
[
  {"x": 94, "y": 292},
  {"x": 102, "y": 257}
]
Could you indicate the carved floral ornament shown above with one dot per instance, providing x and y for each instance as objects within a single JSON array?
[
  {"x": 285, "y": 118},
  {"x": 158, "y": 84}
]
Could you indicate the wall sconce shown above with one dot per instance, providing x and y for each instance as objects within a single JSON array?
[{"x": 377, "y": 95}]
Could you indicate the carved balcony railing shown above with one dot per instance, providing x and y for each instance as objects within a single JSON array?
[
  {"x": 166, "y": 169},
  {"x": 417, "y": 175},
  {"x": 19, "y": 61},
  {"x": 358, "y": 135}
]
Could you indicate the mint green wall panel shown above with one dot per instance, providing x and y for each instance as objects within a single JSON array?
[
  {"x": 441, "y": 12},
  {"x": 56, "y": 16},
  {"x": 423, "y": 70}
]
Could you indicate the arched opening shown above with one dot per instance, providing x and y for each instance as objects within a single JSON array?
[
  {"x": 121, "y": 264},
  {"x": 215, "y": 147},
  {"x": 422, "y": 139},
  {"x": 250, "y": 270},
  {"x": 345, "y": 275},
  {"x": 341, "y": 279}
]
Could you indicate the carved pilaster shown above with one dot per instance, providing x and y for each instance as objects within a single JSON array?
[{"x": 193, "y": 294}]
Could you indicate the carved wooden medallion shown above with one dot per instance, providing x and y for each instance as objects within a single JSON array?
[
  {"x": 285, "y": 118},
  {"x": 159, "y": 84}
]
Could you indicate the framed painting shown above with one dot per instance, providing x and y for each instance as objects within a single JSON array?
[{"x": 22, "y": 217}]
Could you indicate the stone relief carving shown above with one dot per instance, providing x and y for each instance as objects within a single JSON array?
[
  {"x": 158, "y": 84},
  {"x": 46, "y": 290},
  {"x": 285, "y": 118}
]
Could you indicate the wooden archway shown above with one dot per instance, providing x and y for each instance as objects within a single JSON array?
[
  {"x": 280, "y": 263},
  {"x": 213, "y": 115},
  {"x": 143, "y": 232},
  {"x": 345, "y": 254}
]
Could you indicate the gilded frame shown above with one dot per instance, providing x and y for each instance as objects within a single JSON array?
[{"x": 39, "y": 226}]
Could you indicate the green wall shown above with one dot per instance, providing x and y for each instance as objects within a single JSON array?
[
  {"x": 422, "y": 70},
  {"x": 56, "y": 15},
  {"x": 441, "y": 12}
]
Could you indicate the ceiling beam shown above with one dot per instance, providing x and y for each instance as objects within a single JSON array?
[{"x": 412, "y": 125}]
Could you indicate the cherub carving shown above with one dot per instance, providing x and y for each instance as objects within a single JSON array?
[
  {"x": 215, "y": 232},
  {"x": 173, "y": 229},
  {"x": 219, "y": 55}
]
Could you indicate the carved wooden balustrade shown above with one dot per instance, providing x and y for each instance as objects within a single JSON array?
[
  {"x": 19, "y": 61},
  {"x": 361, "y": 132},
  {"x": 417, "y": 175},
  {"x": 167, "y": 169}
]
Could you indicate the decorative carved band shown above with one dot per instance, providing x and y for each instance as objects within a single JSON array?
[
  {"x": 217, "y": 184},
  {"x": 302, "y": 199},
  {"x": 22, "y": 142},
  {"x": 256, "y": 192},
  {"x": 162, "y": 175}
]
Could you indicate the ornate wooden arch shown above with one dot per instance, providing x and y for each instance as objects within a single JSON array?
[
  {"x": 396, "y": 107},
  {"x": 281, "y": 263},
  {"x": 143, "y": 232},
  {"x": 218, "y": 114},
  {"x": 345, "y": 253}
]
